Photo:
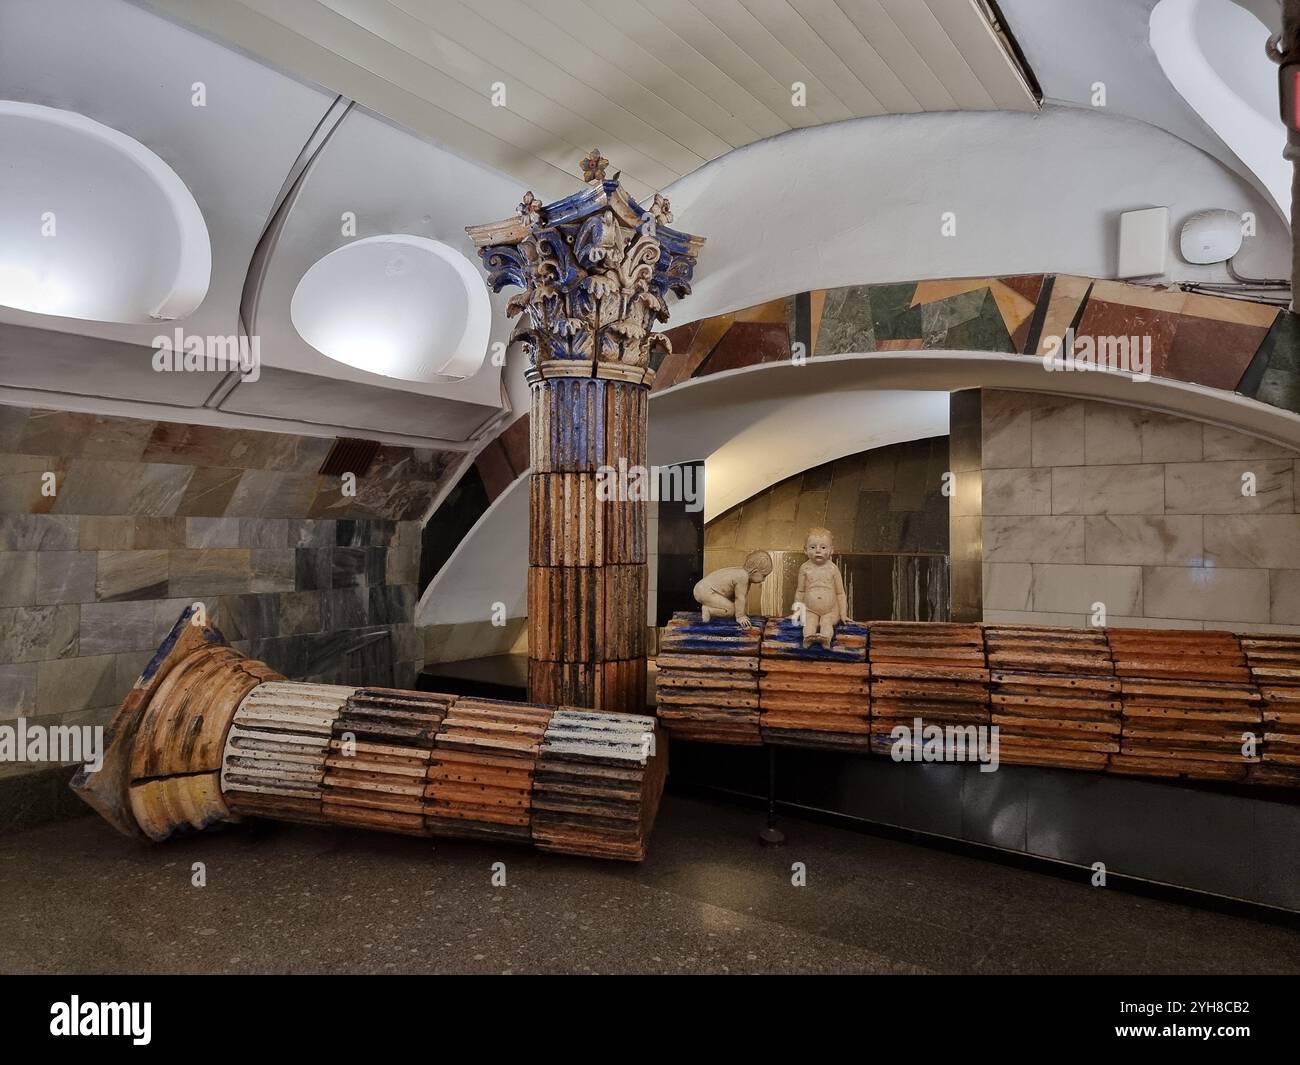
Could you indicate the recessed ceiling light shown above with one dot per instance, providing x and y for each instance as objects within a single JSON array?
[
  {"x": 398, "y": 305},
  {"x": 93, "y": 224}
]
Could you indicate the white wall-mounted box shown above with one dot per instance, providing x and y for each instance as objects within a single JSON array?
[{"x": 1143, "y": 242}]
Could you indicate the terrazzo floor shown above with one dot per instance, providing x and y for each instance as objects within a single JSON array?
[{"x": 281, "y": 898}]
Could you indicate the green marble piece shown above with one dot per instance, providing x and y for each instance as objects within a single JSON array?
[
  {"x": 847, "y": 322},
  {"x": 984, "y": 332},
  {"x": 892, "y": 315}
]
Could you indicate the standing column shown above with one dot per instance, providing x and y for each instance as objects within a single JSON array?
[{"x": 595, "y": 269}]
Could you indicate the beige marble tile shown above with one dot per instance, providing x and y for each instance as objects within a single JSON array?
[
  {"x": 72, "y": 684},
  {"x": 811, "y": 512},
  {"x": 1223, "y": 309},
  {"x": 1111, "y": 434},
  {"x": 1169, "y": 439},
  {"x": 272, "y": 571},
  {"x": 783, "y": 500},
  {"x": 1007, "y": 585},
  {"x": 131, "y": 575},
  {"x": 36, "y": 633},
  {"x": 1216, "y": 487},
  {"x": 790, "y": 536},
  {"x": 1262, "y": 540},
  {"x": 1122, "y": 622},
  {"x": 723, "y": 530},
  {"x": 1017, "y": 491},
  {"x": 1035, "y": 617},
  {"x": 1068, "y": 292},
  {"x": 95, "y": 487},
  {"x": 1108, "y": 489},
  {"x": 1058, "y": 432},
  {"x": 1033, "y": 539},
  {"x": 1284, "y": 597},
  {"x": 112, "y": 628},
  {"x": 65, "y": 577},
  {"x": 1006, "y": 421},
  {"x": 1143, "y": 539},
  {"x": 38, "y": 532},
  {"x": 1227, "y": 444},
  {"x": 1206, "y": 593},
  {"x": 17, "y": 578},
  {"x": 1075, "y": 589},
  {"x": 721, "y": 557},
  {"x": 17, "y": 689},
  {"x": 107, "y": 533},
  {"x": 209, "y": 571},
  {"x": 436, "y": 638},
  {"x": 1170, "y": 300}
]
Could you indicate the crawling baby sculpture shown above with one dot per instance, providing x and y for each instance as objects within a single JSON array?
[{"x": 724, "y": 592}]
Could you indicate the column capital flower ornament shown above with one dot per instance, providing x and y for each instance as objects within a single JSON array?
[{"x": 595, "y": 270}]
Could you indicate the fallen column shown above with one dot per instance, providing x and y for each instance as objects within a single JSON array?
[{"x": 209, "y": 735}]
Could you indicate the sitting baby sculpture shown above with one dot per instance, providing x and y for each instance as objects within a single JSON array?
[
  {"x": 724, "y": 592},
  {"x": 819, "y": 600}
]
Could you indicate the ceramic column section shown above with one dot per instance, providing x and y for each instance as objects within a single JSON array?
[{"x": 595, "y": 271}]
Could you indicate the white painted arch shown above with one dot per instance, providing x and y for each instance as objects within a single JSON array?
[
  {"x": 785, "y": 418},
  {"x": 862, "y": 202}
]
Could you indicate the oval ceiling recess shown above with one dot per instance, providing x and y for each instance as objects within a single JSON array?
[
  {"x": 1211, "y": 51},
  {"x": 94, "y": 225},
  {"x": 398, "y": 305}
]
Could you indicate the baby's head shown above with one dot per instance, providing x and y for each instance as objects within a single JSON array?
[
  {"x": 758, "y": 564},
  {"x": 819, "y": 546}
]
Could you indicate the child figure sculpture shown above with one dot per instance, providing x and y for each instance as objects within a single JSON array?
[
  {"x": 819, "y": 600},
  {"x": 724, "y": 592}
]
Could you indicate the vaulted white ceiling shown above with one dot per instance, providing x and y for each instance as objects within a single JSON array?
[
  {"x": 383, "y": 110},
  {"x": 661, "y": 86}
]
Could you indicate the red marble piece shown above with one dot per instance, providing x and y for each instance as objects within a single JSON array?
[
  {"x": 516, "y": 442},
  {"x": 1027, "y": 285},
  {"x": 672, "y": 370},
  {"x": 1213, "y": 353},
  {"x": 494, "y": 467},
  {"x": 748, "y": 344},
  {"x": 1103, "y": 319},
  {"x": 705, "y": 339},
  {"x": 1020, "y": 338},
  {"x": 911, "y": 344}
]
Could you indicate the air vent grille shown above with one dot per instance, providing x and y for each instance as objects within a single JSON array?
[{"x": 349, "y": 455}]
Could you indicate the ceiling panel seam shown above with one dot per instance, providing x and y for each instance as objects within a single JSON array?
[
  {"x": 701, "y": 99},
  {"x": 560, "y": 159},
  {"x": 743, "y": 16},
  {"x": 773, "y": 123},
  {"x": 612, "y": 71},
  {"x": 832, "y": 58}
]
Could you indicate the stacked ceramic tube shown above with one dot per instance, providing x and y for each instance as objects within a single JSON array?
[
  {"x": 208, "y": 735},
  {"x": 587, "y": 575},
  {"x": 1161, "y": 703}
]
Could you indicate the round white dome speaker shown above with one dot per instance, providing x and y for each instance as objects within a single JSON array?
[{"x": 1210, "y": 237}]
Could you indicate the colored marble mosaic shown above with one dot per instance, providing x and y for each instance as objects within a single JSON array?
[{"x": 1250, "y": 348}]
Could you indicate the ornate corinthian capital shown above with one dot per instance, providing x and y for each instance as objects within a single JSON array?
[{"x": 595, "y": 269}]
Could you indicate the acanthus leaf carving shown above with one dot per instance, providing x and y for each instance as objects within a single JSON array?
[{"x": 595, "y": 270}]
